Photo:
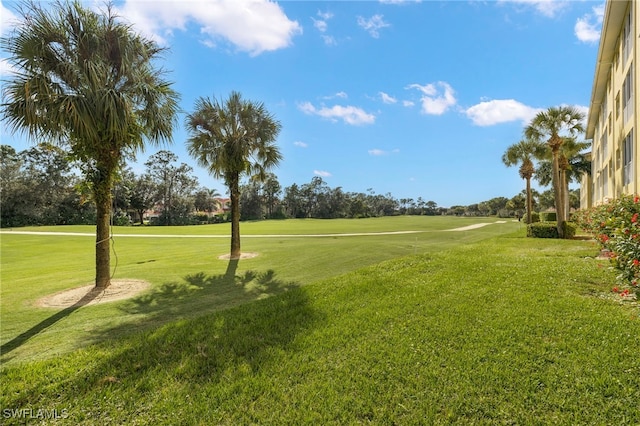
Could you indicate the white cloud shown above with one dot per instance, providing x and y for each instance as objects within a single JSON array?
[
  {"x": 341, "y": 95},
  {"x": 6, "y": 68},
  {"x": 548, "y": 8},
  {"x": 498, "y": 111},
  {"x": 435, "y": 101},
  {"x": 373, "y": 24},
  {"x": 253, "y": 26},
  {"x": 587, "y": 28},
  {"x": 349, "y": 114},
  {"x": 300, "y": 144},
  {"x": 329, "y": 40},
  {"x": 387, "y": 99},
  {"x": 325, "y": 15},
  {"x": 8, "y": 20},
  {"x": 321, "y": 173},
  {"x": 320, "y": 25},
  {"x": 408, "y": 103},
  {"x": 380, "y": 152}
]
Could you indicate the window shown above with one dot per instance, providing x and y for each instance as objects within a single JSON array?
[
  {"x": 627, "y": 95},
  {"x": 618, "y": 105},
  {"x": 604, "y": 143},
  {"x": 626, "y": 38},
  {"x": 627, "y": 159}
]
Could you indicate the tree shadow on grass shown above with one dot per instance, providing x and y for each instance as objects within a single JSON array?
[
  {"x": 203, "y": 292},
  {"x": 22, "y": 338},
  {"x": 217, "y": 355}
]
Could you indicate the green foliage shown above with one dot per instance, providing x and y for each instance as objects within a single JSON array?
[
  {"x": 542, "y": 230},
  {"x": 550, "y": 230},
  {"x": 121, "y": 219},
  {"x": 397, "y": 342},
  {"x": 548, "y": 217},
  {"x": 535, "y": 217},
  {"x": 615, "y": 226}
]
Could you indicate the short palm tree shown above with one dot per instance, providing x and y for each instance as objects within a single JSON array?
[
  {"x": 523, "y": 153},
  {"x": 232, "y": 139},
  {"x": 551, "y": 126},
  {"x": 87, "y": 81}
]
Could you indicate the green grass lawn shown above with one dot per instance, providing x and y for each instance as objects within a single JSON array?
[{"x": 476, "y": 327}]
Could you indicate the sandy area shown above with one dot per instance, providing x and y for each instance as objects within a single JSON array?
[
  {"x": 247, "y": 255},
  {"x": 89, "y": 295}
]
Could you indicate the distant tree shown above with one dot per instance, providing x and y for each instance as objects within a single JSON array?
[
  {"x": 142, "y": 195},
  {"x": 546, "y": 200},
  {"x": 548, "y": 126},
  {"x": 251, "y": 201},
  {"x": 271, "y": 190},
  {"x": 175, "y": 185},
  {"x": 432, "y": 208},
  {"x": 232, "y": 139},
  {"x": 293, "y": 202},
  {"x": 87, "y": 81},
  {"x": 207, "y": 200}
]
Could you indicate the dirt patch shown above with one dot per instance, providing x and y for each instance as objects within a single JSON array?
[
  {"x": 247, "y": 255},
  {"x": 90, "y": 295}
]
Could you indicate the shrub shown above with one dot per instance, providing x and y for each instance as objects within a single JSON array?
[
  {"x": 535, "y": 217},
  {"x": 542, "y": 230},
  {"x": 548, "y": 217},
  {"x": 570, "y": 229},
  {"x": 550, "y": 230},
  {"x": 615, "y": 225},
  {"x": 121, "y": 219}
]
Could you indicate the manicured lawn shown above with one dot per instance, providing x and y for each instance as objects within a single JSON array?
[
  {"x": 187, "y": 277},
  {"x": 477, "y": 329}
]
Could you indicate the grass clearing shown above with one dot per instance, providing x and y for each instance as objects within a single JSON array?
[
  {"x": 497, "y": 330},
  {"x": 187, "y": 278}
]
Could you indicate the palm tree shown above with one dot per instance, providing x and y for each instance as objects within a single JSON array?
[
  {"x": 574, "y": 163},
  {"x": 87, "y": 82},
  {"x": 550, "y": 125},
  {"x": 232, "y": 139},
  {"x": 523, "y": 153}
]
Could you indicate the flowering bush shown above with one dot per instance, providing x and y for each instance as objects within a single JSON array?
[{"x": 616, "y": 227}]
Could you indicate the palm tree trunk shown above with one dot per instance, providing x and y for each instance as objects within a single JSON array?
[
  {"x": 565, "y": 195},
  {"x": 234, "y": 189},
  {"x": 557, "y": 192},
  {"x": 529, "y": 200},
  {"x": 102, "y": 194}
]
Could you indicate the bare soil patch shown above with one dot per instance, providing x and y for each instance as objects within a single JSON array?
[
  {"x": 90, "y": 295},
  {"x": 247, "y": 255}
]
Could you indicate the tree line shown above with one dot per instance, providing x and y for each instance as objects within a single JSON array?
[{"x": 41, "y": 186}]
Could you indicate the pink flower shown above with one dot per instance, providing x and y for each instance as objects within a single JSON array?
[
  {"x": 616, "y": 290},
  {"x": 634, "y": 218}
]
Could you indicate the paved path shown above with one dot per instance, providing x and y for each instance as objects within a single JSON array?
[{"x": 88, "y": 234}]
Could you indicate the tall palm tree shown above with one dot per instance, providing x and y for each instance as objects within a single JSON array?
[
  {"x": 551, "y": 126},
  {"x": 523, "y": 153},
  {"x": 232, "y": 139},
  {"x": 573, "y": 162},
  {"x": 88, "y": 82}
]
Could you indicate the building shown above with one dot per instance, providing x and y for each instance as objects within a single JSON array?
[{"x": 613, "y": 121}]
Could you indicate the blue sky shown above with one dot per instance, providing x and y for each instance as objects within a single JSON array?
[{"x": 416, "y": 99}]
